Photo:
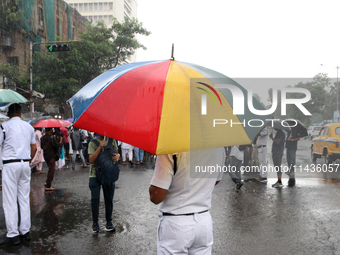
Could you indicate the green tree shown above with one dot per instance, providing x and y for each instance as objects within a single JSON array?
[
  {"x": 59, "y": 75},
  {"x": 318, "y": 103}
]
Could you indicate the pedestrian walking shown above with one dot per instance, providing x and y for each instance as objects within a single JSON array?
[
  {"x": 94, "y": 185},
  {"x": 18, "y": 148},
  {"x": 277, "y": 154},
  {"x": 139, "y": 154},
  {"x": 126, "y": 150},
  {"x": 291, "y": 144},
  {"x": 261, "y": 144},
  {"x": 184, "y": 198},
  {"x": 77, "y": 147},
  {"x": 38, "y": 159},
  {"x": 51, "y": 147},
  {"x": 60, "y": 162},
  {"x": 85, "y": 144},
  {"x": 66, "y": 137}
]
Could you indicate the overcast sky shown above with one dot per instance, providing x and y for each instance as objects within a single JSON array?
[{"x": 245, "y": 38}]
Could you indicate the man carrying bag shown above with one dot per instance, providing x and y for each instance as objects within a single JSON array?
[{"x": 103, "y": 172}]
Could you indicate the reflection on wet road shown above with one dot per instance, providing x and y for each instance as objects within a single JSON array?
[{"x": 304, "y": 219}]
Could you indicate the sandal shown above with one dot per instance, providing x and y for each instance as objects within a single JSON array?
[
  {"x": 84, "y": 166},
  {"x": 73, "y": 167},
  {"x": 137, "y": 163},
  {"x": 124, "y": 163},
  {"x": 49, "y": 189}
]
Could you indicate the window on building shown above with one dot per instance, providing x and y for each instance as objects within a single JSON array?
[
  {"x": 95, "y": 6},
  {"x": 110, "y": 19},
  {"x": 100, "y": 6},
  {"x": 100, "y": 17},
  {"x": 111, "y": 6},
  {"x": 81, "y": 7},
  {"x": 58, "y": 27},
  {"x": 95, "y": 19},
  {"x": 85, "y": 7},
  {"x": 91, "y": 6},
  {"x": 13, "y": 61},
  {"x": 76, "y": 6},
  {"x": 41, "y": 18}
]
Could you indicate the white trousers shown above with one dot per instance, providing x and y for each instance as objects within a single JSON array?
[
  {"x": 185, "y": 234},
  {"x": 127, "y": 151},
  {"x": 263, "y": 161},
  {"x": 16, "y": 179}
]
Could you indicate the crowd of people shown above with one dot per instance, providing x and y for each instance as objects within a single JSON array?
[
  {"x": 184, "y": 199},
  {"x": 257, "y": 155}
]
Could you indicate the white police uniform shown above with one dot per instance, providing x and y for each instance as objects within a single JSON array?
[
  {"x": 185, "y": 207},
  {"x": 16, "y": 174},
  {"x": 261, "y": 144}
]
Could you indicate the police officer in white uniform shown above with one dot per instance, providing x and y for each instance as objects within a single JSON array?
[
  {"x": 185, "y": 198},
  {"x": 19, "y": 147},
  {"x": 261, "y": 143}
]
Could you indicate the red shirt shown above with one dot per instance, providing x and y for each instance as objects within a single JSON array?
[{"x": 65, "y": 133}]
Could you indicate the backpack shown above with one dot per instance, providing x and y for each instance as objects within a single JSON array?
[{"x": 107, "y": 170}]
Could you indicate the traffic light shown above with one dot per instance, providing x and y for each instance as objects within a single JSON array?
[{"x": 56, "y": 48}]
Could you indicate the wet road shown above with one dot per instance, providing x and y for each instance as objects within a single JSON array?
[{"x": 304, "y": 219}]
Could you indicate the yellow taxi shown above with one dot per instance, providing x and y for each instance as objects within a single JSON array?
[{"x": 327, "y": 143}]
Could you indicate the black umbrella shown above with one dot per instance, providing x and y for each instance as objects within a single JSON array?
[
  {"x": 35, "y": 121},
  {"x": 278, "y": 124},
  {"x": 301, "y": 128}
]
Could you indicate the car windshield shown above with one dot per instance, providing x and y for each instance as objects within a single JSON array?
[
  {"x": 317, "y": 128},
  {"x": 337, "y": 131}
]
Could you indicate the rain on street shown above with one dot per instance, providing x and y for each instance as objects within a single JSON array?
[{"x": 258, "y": 220}]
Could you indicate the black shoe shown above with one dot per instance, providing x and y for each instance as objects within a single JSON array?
[
  {"x": 238, "y": 186},
  {"x": 291, "y": 182},
  {"x": 26, "y": 237},
  {"x": 8, "y": 241}
]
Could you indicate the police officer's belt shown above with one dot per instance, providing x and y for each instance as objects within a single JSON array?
[
  {"x": 260, "y": 146},
  {"x": 14, "y": 160},
  {"x": 186, "y": 214}
]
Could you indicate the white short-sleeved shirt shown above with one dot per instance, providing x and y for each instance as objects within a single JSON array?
[
  {"x": 263, "y": 138},
  {"x": 236, "y": 153},
  {"x": 19, "y": 137},
  {"x": 188, "y": 191}
]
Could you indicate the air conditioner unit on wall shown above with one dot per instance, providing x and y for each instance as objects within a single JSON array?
[{"x": 7, "y": 42}]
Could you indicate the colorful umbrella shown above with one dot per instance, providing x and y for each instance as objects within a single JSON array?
[
  {"x": 50, "y": 123},
  {"x": 166, "y": 107},
  {"x": 10, "y": 96}
]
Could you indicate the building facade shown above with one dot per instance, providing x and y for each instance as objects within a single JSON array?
[
  {"x": 42, "y": 21},
  {"x": 106, "y": 10}
]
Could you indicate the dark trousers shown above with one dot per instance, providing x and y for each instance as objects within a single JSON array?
[
  {"x": 109, "y": 191},
  {"x": 50, "y": 173},
  {"x": 67, "y": 150},
  {"x": 86, "y": 154},
  {"x": 277, "y": 161},
  {"x": 291, "y": 160}
]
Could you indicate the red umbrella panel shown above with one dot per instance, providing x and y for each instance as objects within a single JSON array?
[{"x": 51, "y": 123}]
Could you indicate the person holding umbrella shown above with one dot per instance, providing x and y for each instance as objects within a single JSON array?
[
  {"x": 291, "y": 144},
  {"x": 184, "y": 198},
  {"x": 277, "y": 154},
  {"x": 50, "y": 146}
]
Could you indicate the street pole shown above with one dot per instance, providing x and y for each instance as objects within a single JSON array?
[
  {"x": 337, "y": 92},
  {"x": 31, "y": 70},
  {"x": 31, "y": 81}
]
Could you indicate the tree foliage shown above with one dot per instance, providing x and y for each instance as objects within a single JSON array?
[{"x": 59, "y": 75}]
